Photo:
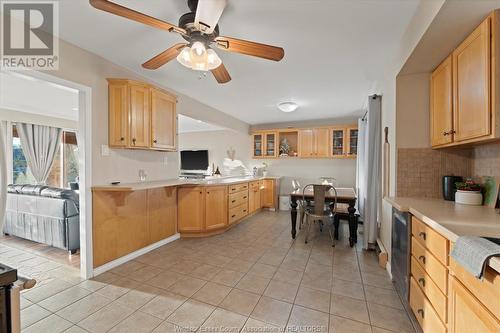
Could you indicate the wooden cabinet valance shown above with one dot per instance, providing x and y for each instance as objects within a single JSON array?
[{"x": 141, "y": 116}]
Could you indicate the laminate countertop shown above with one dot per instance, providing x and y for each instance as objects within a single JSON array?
[
  {"x": 453, "y": 220},
  {"x": 126, "y": 187}
]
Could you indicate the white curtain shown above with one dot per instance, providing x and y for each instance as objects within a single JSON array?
[
  {"x": 3, "y": 174},
  {"x": 40, "y": 145},
  {"x": 369, "y": 169}
]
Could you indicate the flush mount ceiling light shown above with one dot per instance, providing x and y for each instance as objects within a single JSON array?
[
  {"x": 287, "y": 106},
  {"x": 199, "y": 58}
]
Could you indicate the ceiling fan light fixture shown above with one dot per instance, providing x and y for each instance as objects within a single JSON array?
[
  {"x": 198, "y": 57},
  {"x": 288, "y": 106}
]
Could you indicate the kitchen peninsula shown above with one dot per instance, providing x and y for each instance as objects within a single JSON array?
[{"x": 130, "y": 217}]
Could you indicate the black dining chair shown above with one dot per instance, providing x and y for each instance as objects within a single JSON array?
[{"x": 320, "y": 212}]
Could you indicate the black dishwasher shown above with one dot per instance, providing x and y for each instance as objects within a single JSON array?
[{"x": 400, "y": 254}]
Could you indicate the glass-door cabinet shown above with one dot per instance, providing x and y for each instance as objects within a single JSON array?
[
  {"x": 352, "y": 141},
  {"x": 258, "y": 145},
  {"x": 338, "y": 142},
  {"x": 270, "y": 144}
]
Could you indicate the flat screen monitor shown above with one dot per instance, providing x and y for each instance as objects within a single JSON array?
[{"x": 194, "y": 159}]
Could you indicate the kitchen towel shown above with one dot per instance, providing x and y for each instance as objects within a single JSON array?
[{"x": 473, "y": 253}]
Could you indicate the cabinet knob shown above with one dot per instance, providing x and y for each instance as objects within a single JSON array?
[
  {"x": 233, "y": 215},
  {"x": 134, "y": 140},
  {"x": 446, "y": 133},
  {"x": 422, "y": 259},
  {"x": 421, "y": 312},
  {"x": 422, "y": 281},
  {"x": 155, "y": 141},
  {"x": 422, "y": 235},
  {"x": 122, "y": 139},
  {"x": 201, "y": 192}
]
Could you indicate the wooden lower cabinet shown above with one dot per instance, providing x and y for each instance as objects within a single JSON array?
[
  {"x": 124, "y": 222},
  {"x": 191, "y": 209},
  {"x": 254, "y": 201},
  {"x": 268, "y": 194},
  {"x": 162, "y": 213},
  {"x": 215, "y": 207},
  {"x": 467, "y": 314},
  {"x": 424, "y": 312}
]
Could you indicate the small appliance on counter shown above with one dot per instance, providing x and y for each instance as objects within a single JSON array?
[{"x": 449, "y": 187}]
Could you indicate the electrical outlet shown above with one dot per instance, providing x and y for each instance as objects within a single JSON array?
[{"x": 104, "y": 150}]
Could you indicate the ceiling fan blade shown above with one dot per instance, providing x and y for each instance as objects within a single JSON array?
[
  {"x": 131, "y": 14},
  {"x": 221, "y": 74},
  {"x": 208, "y": 14},
  {"x": 250, "y": 48},
  {"x": 164, "y": 57}
]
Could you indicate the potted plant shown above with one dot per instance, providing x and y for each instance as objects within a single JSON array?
[{"x": 469, "y": 193}]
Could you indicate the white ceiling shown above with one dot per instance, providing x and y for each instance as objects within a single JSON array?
[
  {"x": 27, "y": 94},
  {"x": 336, "y": 52},
  {"x": 187, "y": 124}
]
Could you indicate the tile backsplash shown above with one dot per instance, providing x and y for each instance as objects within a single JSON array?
[
  {"x": 420, "y": 170},
  {"x": 486, "y": 160}
]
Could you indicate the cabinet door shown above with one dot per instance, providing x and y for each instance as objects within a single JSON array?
[
  {"x": 139, "y": 116},
  {"x": 267, "y": 194},
  {"x": 251, "y": 201},
  {"x": 442, "y": 104},
  {"x": 471, "y": 77},
  {"x": 258, "y": 145},
  {"x": 321, "y": 142},
  {"x": 191, "y": 209},
  {"x": 306, "y": 143},
  {"x": 163, "y": 121},
  {"x": 162, "y": 213},
  {"x": 352, "y": 141},
  {"x": 270, "y": 145},
  {"x": 118, "y": 114},
  {"x": 215, "y": 207},
  {"x": 338, "y": 142},
  {"x": 467, "y": 314}
]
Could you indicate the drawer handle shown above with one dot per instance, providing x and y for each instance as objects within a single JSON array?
[
  {"x": 421, "y": 312},
  {"x": 422, "y": 281},
  {"x": 422, "y": 259},
  {"x": 422, "y": 235},
  {"x": 244, "y": 197},
  {"x": 233, "y": 201},
  {"x": 233, "y": 215},
  {"x": 244, "y": 210}
]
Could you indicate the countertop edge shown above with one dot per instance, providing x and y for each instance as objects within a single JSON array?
[{"x": 494, "y": 262}]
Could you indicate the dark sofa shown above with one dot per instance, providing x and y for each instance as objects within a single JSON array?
[{"x": 44, "y": 214}]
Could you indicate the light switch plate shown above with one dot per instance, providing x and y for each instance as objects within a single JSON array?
[{"x": 104, "y": 150}]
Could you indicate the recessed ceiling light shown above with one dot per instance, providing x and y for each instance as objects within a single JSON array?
[{"x": 287, "y": 106}]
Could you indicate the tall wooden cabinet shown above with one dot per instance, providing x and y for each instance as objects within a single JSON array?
[
  {"x": 215, "y": 207},
  {"x": 141, "y": 116},
  {"x": 463, "y": 98}
]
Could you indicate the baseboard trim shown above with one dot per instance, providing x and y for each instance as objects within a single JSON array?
[{"x": 133, "y": 255}]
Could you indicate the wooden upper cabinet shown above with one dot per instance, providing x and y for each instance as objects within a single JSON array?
[
  {"x": 216, "y": 207},
  {"x": 306, "y": 143},
  {"x": 270, "y": 144},
  {"x": 118, "y": 114},
  {"x": 352, "y": 141},
  {"x": 141, "y": 116},
  {"x": 258, "y": 145},
  {"x": 321, "y": 138},
  {"x": 471, "y": 85},
  {"x": 191, "y": 209},
  {"x": 163, "y": 120},
  {"x": 338, "y": 138},
  {"x": 441, "y": 104}
]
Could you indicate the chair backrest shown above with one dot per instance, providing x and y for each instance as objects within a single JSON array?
[
  {"x": 296, "y": 185},
  {"x": 319, "y": 194}
]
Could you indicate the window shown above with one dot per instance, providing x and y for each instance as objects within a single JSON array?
[{"x": 64, "y": 169}]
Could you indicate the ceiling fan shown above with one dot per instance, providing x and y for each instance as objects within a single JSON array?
[{"x": 200, "y": 30}]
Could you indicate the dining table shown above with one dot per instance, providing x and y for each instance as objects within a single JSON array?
[{"x": 345, "y": 195}]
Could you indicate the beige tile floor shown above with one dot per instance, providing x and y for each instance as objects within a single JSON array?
[{"x": 253, "y": 278}]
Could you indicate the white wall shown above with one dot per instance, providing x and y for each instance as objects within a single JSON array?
[{"x": 32, "y": 118}]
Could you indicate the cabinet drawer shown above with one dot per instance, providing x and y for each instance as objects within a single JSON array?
[
  {"x": 238, "y": 187},
  {"x": 430, "y": 239},
  {"x": 254, "y": 185},
  {"x": 238, "y": 198},
  {"x": 237, "y": 213},
  {"x": 430, "y": 289},
  {"x": 422, "y": 308},
  {"x": 430, "y": 264}
]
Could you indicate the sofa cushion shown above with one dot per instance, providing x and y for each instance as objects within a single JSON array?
[
  {"x": 31, "y": 189},
  {"x": 59, "y": 193},
  {"x": 14, "y": 188}
]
